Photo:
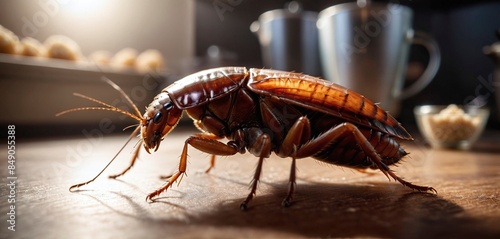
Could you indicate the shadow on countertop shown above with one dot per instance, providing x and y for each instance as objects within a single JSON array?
[{"x": 338, "y": 210}]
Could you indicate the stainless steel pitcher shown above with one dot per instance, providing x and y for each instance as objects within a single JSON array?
[
  {"x": 289, "y": 39},
  {"x": 364, "y": 46}
]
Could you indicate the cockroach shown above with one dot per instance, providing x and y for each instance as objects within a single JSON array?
[{"x": 264, "y": 111}]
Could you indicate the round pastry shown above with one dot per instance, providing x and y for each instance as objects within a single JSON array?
[
  {"x": 62, "y": 47},
  {"x": 150, "y": 60},
  {"x": 100, "y": 57},
  {"x": 124, "y": 58},
  {"x": 32, "y": 47},
  {"x": 9, "y": 42}
]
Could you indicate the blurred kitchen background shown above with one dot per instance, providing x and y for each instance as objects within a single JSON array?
[{"x": 193, "y": 35}]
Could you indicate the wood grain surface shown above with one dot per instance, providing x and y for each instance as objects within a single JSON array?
[{"x": 330, "y": 201}]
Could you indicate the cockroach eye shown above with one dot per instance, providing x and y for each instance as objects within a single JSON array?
[{"x": 157, "y": 117}]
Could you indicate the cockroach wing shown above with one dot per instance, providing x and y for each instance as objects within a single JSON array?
[
  {"x": 204, "y": 86},
  {"x": 317, "y": 94}
]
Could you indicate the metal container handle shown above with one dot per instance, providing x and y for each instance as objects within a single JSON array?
[{"x": 421, "y": 38}]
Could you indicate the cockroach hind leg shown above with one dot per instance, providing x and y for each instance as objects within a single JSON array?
[{"x": 405, "y": 183}]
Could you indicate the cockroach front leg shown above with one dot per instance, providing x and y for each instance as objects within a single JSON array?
[
  {"x": 205, "y": 144},
  {"x": 212, "y": 157},
  {"x": 345, "y": 129},
  {"x": 132, "y": 162}
]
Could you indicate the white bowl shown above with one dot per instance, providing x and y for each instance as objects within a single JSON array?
[{"x": 451, "y": 126}]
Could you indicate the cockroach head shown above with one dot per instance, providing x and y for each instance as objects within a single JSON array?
[{"x": 161, "y": 116}]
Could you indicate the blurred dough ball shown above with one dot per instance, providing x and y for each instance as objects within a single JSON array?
[
  {"x": 62, "y": 47},
  {"x": 100, "y": 57},
  {"x": 9, "y": 42},
  {"x": 124, "y": 58},
  {"x": 32, "y": 47},
  {"x": 150, "y": 60}
]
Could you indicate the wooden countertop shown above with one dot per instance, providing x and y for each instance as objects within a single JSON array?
[{"x": 330, "y": 201}]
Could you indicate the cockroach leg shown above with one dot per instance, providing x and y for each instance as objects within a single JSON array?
[
  {"x": 207, "y": 145},
  {"x": 134, "y": 158},
  {"x": 170, "y": 182},
  {"x": 253, "y": 187},
  {"x": 212, "y": 163},
  {"x": 411, "y": 185},
  {"x": 212, "y": 157},
  {"x": 315, "y": 145},
  {"x": 261, "y": 147},
  {"x": 299, "y": 133},
  {"x": 374, "y": 156},
  {"x": 287, "y": 202}
]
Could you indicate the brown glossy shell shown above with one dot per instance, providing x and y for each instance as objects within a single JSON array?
[
  {"x": 204, "y": 86},
  {"x": 317, "y": 94}
]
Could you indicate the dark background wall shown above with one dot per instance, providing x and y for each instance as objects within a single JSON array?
[{"x": 461, "y": 28}]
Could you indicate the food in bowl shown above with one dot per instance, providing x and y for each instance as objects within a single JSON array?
[{"x": 451, "y": 126}]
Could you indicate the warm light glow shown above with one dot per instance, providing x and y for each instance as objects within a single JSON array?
[{"x": 84, "y": 6}]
